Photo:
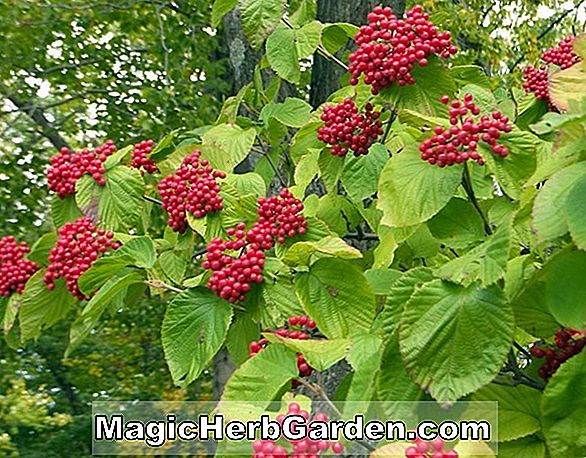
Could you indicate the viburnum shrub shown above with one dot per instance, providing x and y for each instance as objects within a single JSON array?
[
  {"x": 432, "y": 449},
  {"x": 279, "y": 217},
  {"x": 193, "y": 188},
  {"x": 79, "y": 245},
  {"x": 568, "y": 342},
  {"x": 389, "y": 48},
  {"x": 346, "y": 129},
  {"x": 422, "y": 279},
  {"x": 536, "y": 79},
  {"x": 459, "y": 143},
  {"x": 140, "y": 159},
  {"x": 298, "y": 327},
  {"x": 15, "y": 269},
  {"x": 305, "y": 447},
  {"x": 69, "y": 166}
]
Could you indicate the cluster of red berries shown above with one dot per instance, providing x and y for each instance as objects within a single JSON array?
[
  {"x": 279, "y": 217},
  {"x": 69, "y": 166},
  {"x": 459, "y": 143},
  {"x": 536, "y": 79},
  {"x": 389, "y": 48},
  {"x": 562, "y": 55},
  {"x": 302, "y": 448},
  {"x": 78, "y": 246},
  {"x": 193, "y": 188},
  {"x": 433, "y": 449},
  {"x": 346, "y": 129},
  {"x": 15, "y": 270},
  {"x": 233, "y": 276},
  {"x": 298, "y": 327},
  {"x": 569, "y": 342},
  {"x": 140, "y": 159}
]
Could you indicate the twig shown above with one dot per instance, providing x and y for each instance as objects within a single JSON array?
[
  {"x": 522, "y": 350},
  {"x": 467, "y": 184},
  {"x": 272, "y": 164},
  {"x": 519, "y": 376},
  {"x": 319, "y": 391},
  {"x": 152, "y": 199},
  {"x": 162, "y": 285},
  {"x": 361, "y": 236}
]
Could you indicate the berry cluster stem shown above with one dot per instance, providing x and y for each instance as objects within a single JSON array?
[{"x": 467, "y": 185}]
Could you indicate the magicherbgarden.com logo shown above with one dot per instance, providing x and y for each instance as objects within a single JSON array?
[{"x": 237, "y": 428}]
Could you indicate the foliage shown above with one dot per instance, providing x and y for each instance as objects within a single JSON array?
[{"x": 434, "y": 271}]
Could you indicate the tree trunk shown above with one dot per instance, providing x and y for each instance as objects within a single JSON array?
[{"x": 326, "y": 75}]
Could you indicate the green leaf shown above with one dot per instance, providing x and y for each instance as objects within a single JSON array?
[
  {"x": 432, "y": 82},
  {"x": 307, "y": 38},
  {"x": 528, "y": 447},
  {"x": 300, "y": 252},
  {"x": 247, "y": 183},
  {"x": 320, "y": 354},
  {"x": 100, "y": 272},
  {"x": 382, "y": 280},
  {"x": 259, "y": 18},
  {"x": 420, "y": 120},
  {"x": 549, "y": 210},
  {"x": 243, "y": 330},
  {"x": 42, "y": 247},
  {"x": 519, "y": 411},
  {"x": 515, "y": 169},
  {"x": 399, "y": 294},
  {"x": 113, "y": 290},
  {"x": 457, "y": 225},
  {"x": 194, "y": 329},
  {"x": 9, "y": 313},
  {"x": 118, "y": 156},
  {"x": 226, "y": 145},
  {"x": 165, "y": 147},
  {"x": 64, "y": 210},
  {"x": 141, "y": 250},
  {"x": 41, "y": 308},
  {"x": 487, "y": 262},
  {"x": 360, "y": 174},
  {"x": 394, "y": 386},
  {"x": 470, "y": 74},
  {"x": 564, "y": 409},
  {"x": 337, "y": 296},
  {"x": 412, "y": 191},
  {"x": 282, "y": 54},
  {"x": 453, "y": 339},
  {"x": 305, "y": 171},
  {"x": 330, "y": 168},
  {"x": 567, "y": 86},
  {"x": 292, "y": 112},
  {"x": 262, "y": 377},
  {"x": 576, "y": 213},
  {"x": 174, "y": 265},
  {"x": 119, "y": 204},
  {"x": 278, "y": 290},
  {"x": 562, "y": 288},
  {"x": 220, "y": 8},
  {"x": 365, "y": 358},
  {"x": 335, "y": 36}
]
